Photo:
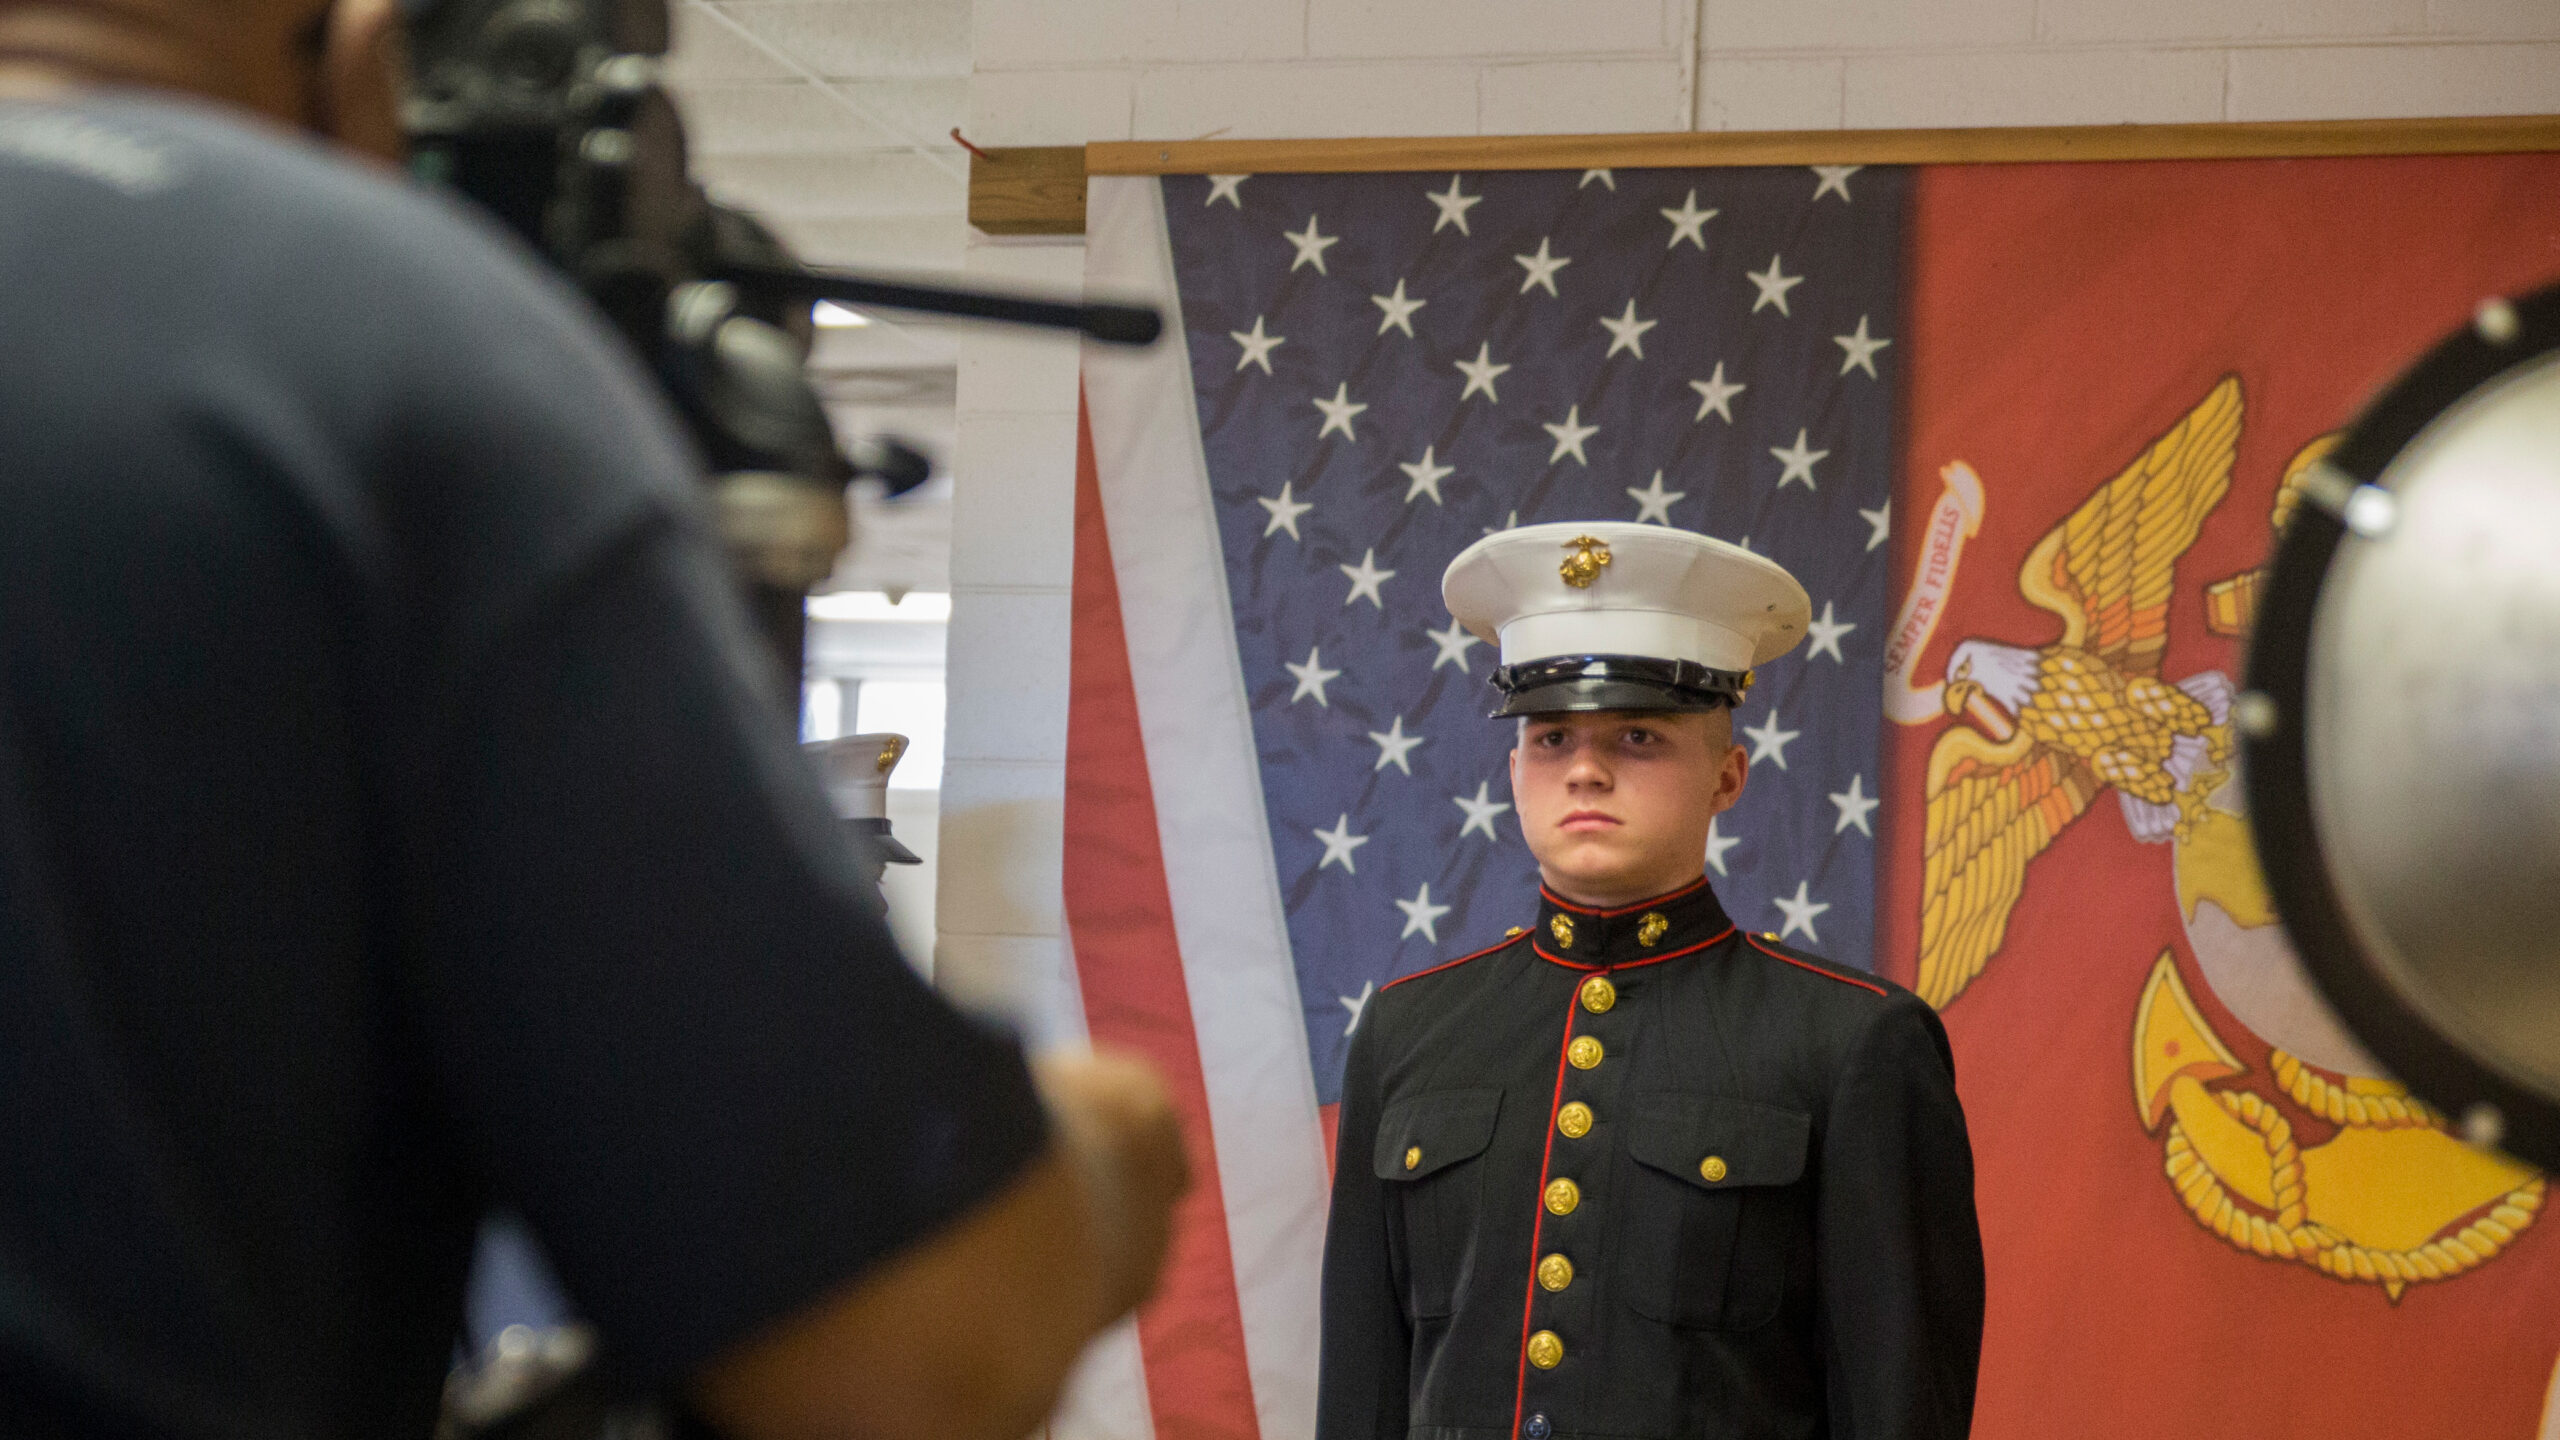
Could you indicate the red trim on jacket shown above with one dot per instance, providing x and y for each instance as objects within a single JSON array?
[
  {"x": 1719, "y": 938},
  {"x": 1538, "y": 1226},
  {"x": 1449, "y": 964},
  {"x": 1682, "y": 893},
  {"x": 1815, "y": 969}
]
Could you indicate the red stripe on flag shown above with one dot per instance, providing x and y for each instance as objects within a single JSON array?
[{"x": 1129, "y": 964}]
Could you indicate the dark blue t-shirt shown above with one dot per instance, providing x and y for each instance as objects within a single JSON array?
[{"x": 392, "y": 824}]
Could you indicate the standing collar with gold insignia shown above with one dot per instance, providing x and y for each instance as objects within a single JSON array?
[{"x": 1585, "y": 938}]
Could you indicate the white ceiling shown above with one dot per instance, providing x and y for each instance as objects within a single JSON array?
[{"x": 831, "y": 119}]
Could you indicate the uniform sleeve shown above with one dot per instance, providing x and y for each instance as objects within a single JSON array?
[
  {"x": 1361, "y": 1381},
  {"x": 1900, "y": 1252},
  {"x": 657, "y": 1000}
]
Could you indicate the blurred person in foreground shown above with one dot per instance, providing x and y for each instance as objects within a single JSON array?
[
  {"x": 1635, "y": 1172},
  {"x": 392, "y": 824}
]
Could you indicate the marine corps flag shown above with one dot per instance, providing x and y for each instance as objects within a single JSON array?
[{"x": 2205, "y": 1211}]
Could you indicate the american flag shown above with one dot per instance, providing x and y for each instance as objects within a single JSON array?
[
  {"x": 1282, "y": 789},
  {"x": 1388, "y": 367}
]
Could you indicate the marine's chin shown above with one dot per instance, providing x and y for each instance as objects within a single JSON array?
[{"x": 1598, "y": 861}]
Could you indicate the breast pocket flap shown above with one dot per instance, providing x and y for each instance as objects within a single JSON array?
[
  {"x": 1718, "y": 1143},
  {"x": 1421, "y": 1134}
]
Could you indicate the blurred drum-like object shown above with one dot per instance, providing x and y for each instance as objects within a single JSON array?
[{"x": 2402, "y": 728}]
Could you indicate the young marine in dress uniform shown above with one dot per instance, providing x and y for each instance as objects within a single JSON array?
[{"x": 1634, "y": 1172}]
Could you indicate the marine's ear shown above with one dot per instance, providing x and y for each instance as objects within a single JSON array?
[{"x": 364, "y": 63}]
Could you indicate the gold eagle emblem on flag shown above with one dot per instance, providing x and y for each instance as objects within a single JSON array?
[{"x": 2052, "y": 727}]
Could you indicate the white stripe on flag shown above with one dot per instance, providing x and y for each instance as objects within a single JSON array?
[
  {"x": 1198, "y": 733},
  {"x": 1106, "y": 1397}
]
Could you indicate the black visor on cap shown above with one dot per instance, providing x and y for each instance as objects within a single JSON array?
[
  {"x": 1565, "y": 684},
  {"x": 889, "y": 846}
]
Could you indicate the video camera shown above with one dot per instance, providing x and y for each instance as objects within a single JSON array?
[{"x": 551, "y": 114}]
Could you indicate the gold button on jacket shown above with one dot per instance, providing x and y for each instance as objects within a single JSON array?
[
  {"x": 1574, "y": 1120},
  {"x": 1585, "y": 1052},
  {"x": 1555, "y": 1272},
  {"x": 1712, "y": 1167},
  {"x": 1598, "y": 994},
  {"x": 1562, "y": 1197},
  {"x": 1413, "y": 1157},
  {"x": 1546, "y": 1350}
]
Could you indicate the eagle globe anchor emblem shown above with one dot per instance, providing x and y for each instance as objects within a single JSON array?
[{"x": 2332, "y": 1166}]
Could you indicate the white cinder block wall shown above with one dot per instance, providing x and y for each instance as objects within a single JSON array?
[{"x": 1062, "y": 72}]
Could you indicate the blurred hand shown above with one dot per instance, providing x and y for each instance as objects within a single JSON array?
[{"x": 1118, "y": 1126}]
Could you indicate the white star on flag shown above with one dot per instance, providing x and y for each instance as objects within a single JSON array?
[
  {"x": 1861, "y": 349},
  {"x": 1425, "y": 477},
  {"x": 1400, "y": 310},
  {"x": 1773, "y": 287},
  {"x": 1603, "y": 176},
  {"x": 1356, "y": 1004},
  {"x": 1689, "y": 223},
  {"x": 1570, "y": 435},
  {"x": 1481, "y": 811},
  {"x": 1800, "y": 912},
  {"x": 1718, "y": 843},
  {"x": 1257, "y": 344},
  {"x": 1454, "y": 644},
  {"x": 1453, "y": 207},
  {"x": 1626, "y": 332},
  {"x": 1825, "y": 634},
  {"x": 1338, "y": 412},
  {"x": 1799, "y": 461},
  {"x": 1393, "y": 746},
  {"x": 1881, "y": 518},
  {"x": 1420, "y": 914},
  {"x": 1835, "y": 180},
  {"x": 1481, "y": 372},
  {"x": 1542, "y": 268},
  {"x": 1224, "y": 187},
  {"x": 1769, "y": 743},
  {"x": 1339, "y": 842},
  {"x": 1284, "y": 511},
  {"x": 1311, "y": 243},
  {"x": 1854, "y": 805},
  {"x": 1312, "y": 678},
  {"x": 1365, "y": 579},
  {"x": 1653, "y": 502},
  {"x": 1715, "y": 394}
]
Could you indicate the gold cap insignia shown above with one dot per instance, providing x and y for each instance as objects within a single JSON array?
[
  {"x": 1515, "y": 932},
  {"x": 1561, "y": 926},
  {"x": 890, "y": 751},
  {"x": 1590, "y": 556},
  {"x": 1652, "y": 928}
]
